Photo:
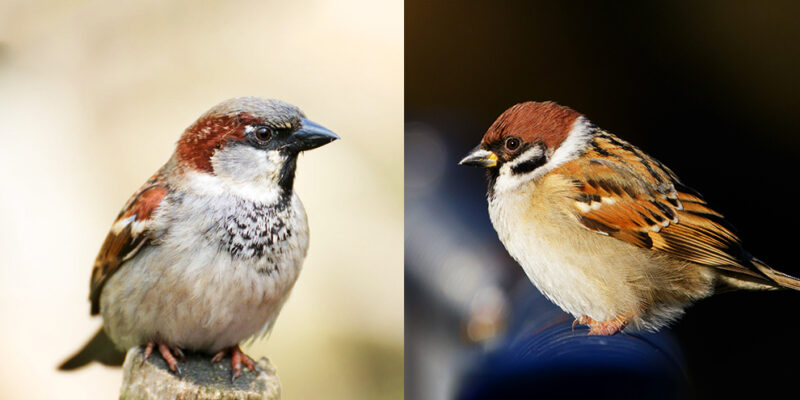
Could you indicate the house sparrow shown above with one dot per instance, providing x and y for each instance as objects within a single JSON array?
[
  {"x": 603, "y": 230},
  {"x": 205, "y": 254}
]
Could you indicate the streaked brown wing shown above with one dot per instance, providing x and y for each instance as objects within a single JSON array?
[
  {"x": 128, "y": 234},
  {"x": 623, "y": 193}
]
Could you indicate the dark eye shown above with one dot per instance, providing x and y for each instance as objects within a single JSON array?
[
  {"x": 513, "y": 143},
  {"x": 263, "y": 133}
]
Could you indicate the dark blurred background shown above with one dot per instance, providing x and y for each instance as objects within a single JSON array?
[{"x": 708, "y": 88}]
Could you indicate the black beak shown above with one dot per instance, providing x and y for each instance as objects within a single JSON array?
[{"x": 310, "y": 136}]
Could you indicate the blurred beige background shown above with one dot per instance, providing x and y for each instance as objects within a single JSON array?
[{"x": 93, "y": 96}]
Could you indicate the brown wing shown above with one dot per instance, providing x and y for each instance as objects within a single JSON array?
[
  {"x": 623, "y": 193},
  {"x": 128, "y": 234}
]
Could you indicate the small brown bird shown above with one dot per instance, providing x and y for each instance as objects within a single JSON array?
[
  {"x": 205, "y": 254},
  {"x": 605, "y": 231}
]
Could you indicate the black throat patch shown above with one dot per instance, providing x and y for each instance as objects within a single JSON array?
[{"x": 286, "y": 181}]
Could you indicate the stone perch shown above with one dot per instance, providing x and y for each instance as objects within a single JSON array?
[{"x": 200, "y": 379}]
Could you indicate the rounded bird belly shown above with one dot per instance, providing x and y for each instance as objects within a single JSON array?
[
  {"x": 582, "y": 272},
  {"x": 574, "y": 281},
  {"x": 205, "y": 302}
]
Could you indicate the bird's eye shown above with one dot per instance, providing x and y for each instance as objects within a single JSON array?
[
  {"x": 263, "y": 133},
  {"x": 513, "y": 143}
]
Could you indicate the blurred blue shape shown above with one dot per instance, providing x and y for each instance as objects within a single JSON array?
[{"x": 541, "y": 357}]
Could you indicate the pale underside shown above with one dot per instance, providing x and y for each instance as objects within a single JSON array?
[
  {"x": 587, "y": 273},
  {"x": 184, "y": 287}
]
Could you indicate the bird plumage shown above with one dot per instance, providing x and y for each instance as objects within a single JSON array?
[
  {"x": 206, "y": 252},
  {"x": 604, "y": 230}
]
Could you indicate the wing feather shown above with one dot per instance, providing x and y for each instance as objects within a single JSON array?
[
  {"x": 129, "y": 233},
  {"x": 623, "y": 193}
]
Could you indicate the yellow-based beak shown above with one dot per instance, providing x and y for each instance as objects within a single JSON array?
[{"x": 480, "y": 158}]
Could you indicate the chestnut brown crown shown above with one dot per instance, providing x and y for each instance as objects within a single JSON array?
[
  {"x": 265, "y": 124},
  {"x": 531, "y": 122},
  {"x": 226, "y": 122}
]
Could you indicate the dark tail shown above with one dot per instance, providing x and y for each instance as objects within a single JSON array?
[
  {"x": 100, "y": 349},
  {"x": 784, "y": 280}
]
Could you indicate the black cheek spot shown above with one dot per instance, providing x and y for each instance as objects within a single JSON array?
[{"x": 529, "y": 165}]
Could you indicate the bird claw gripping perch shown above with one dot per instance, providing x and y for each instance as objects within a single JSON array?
[
  {"x": 237, "y": 359},
  {"x": 602, "y": 328},
  {"x": 166, "y": 353}
]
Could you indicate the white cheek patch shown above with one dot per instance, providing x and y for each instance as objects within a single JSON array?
[
  {"x": 573, "y": 146},
  {"x": 509, "y": 179},
  {"x": 249, "y": 172},
  {"x": 275, "y": 158},
  {"x": 246, "y": 164},
  {"x": 531, "y": 154}
]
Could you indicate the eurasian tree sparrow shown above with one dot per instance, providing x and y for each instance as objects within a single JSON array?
[
  {"x": 205, "y": 254},
  {"x": 605, "y": 231}
]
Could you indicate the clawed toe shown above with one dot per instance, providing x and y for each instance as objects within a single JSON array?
[
  {"x": 169, "y": 358},
  {"x": 582, "y": 320},
  {"x": 178, "y": 352},
  {"x": 237, "y": 359},
  {"x": 602, "y": 328},
  {"x": 169, "y": 353},
  {"x": 166, "y": 353}
]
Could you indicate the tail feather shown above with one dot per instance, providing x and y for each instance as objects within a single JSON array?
[
  {"x": 100, "y": 348},
  {"x": 784, "y": 280}
]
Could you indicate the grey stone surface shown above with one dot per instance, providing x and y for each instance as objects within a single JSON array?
[{"x": 199, "y": 379}]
